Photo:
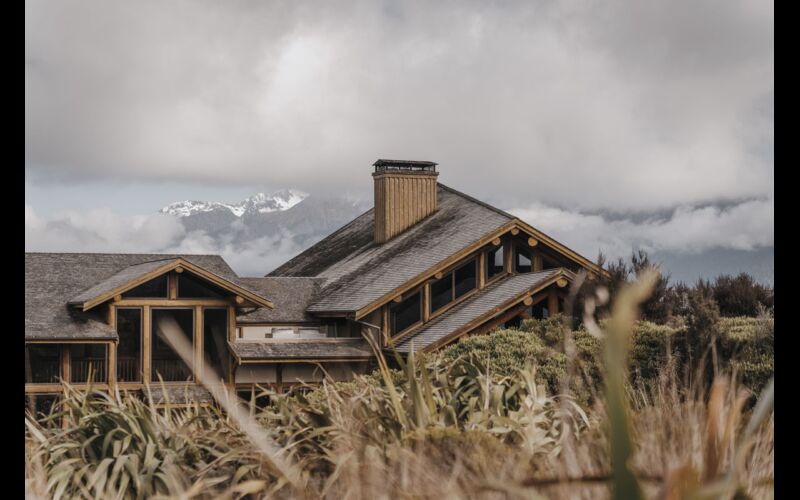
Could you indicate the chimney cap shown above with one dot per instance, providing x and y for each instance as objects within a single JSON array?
[{"x": 383, "y": 165}]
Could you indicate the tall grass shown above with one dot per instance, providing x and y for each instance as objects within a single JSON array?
[{"x": 439, "y": 427}]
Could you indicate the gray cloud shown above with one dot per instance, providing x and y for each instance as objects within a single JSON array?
[{"x": 619, "y": 106}]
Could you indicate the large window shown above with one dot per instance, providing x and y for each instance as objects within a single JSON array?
[
  {"x": 215, "y": 338},
  {"x": 464, "y": 278},
  {"x": 442, "y": 292},
  {"x": 453, "y": 285},
  {"x": 156, "y": 288},
  {"x": 87, "y": 363},
  {"x": 495, "y": 264},
  {"x": 523, "y": 260},
  {"x": 190, "y": 287},
  {"x": 42, "y": 364},
  {"x": 165, "y": 361},
  {"x": 129, "y": 349},
  {"x": 406, "y": 313}
]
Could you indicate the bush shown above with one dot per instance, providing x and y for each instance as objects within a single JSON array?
[{"x": 741, "y": 295}]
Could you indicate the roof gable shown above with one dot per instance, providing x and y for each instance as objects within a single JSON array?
[{"x": 137, "y": 274}]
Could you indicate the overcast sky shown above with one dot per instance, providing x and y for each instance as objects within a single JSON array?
[{"x": 626, "y": 122}]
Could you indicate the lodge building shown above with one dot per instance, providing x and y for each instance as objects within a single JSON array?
[{"x": 422, "y": 268}]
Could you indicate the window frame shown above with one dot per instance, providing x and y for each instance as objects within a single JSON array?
[
  {"x": 153, "y": 375},
  {"x": 487, "y": 258},
  {"x": 452, "y": 271}
]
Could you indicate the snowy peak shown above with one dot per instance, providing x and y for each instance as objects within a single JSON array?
[{"x": 259, "y": 203}]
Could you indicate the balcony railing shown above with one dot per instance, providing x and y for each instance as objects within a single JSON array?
[
  {"x": 129, "y": 369},
  {"x": 171, "y": 370},
  {"x": 81, "y": 367},
  {"x": 44, "y": 372}
]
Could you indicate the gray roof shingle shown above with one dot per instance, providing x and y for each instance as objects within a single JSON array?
[
  {"x": 291, "y": 296},
  {"x": 478, "y": 305},
  {"x": 358, "y": 271},
  {"x": 301, "y": 349},
  {"x": 52, "y": 279}
]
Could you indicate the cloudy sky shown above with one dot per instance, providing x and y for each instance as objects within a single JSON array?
[{"x": 610, "y": 124}]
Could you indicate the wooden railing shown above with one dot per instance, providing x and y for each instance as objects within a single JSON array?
[
  {"x": 80, "y": 368},
  {"x": 129, "y": 370},
  {"x": 44, "y": 372},
  {"x": 171, "y": 370}
]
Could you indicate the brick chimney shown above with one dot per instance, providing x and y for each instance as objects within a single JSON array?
[{"x": 405, "y": 193}]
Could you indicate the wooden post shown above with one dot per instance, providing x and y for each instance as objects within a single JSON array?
[
  {"x": 385, "y": 324},
  {"x": 426, "y": 302},
  {"x": 111, "y": 365},
  {"x": 65, "y": 372},
  {"x": 147, "y": 345},
  {"x": 198, "y": 344},
  {"x": 552, "y": 303},
  {"x": 481, "y": 270},
  {"x": 537, "y": 261},
  {"x": 508, "y": 256},
  {"x": 172, "y": 284}
]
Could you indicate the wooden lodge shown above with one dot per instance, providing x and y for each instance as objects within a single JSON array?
[{"x": 425, "y": 266}]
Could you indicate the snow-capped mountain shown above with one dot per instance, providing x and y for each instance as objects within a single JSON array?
[{"x": 259, "y": 203}]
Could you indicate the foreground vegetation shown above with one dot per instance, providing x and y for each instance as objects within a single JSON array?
[{"x": 508, "y": 414}]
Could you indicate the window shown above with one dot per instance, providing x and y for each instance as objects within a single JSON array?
[
  {"x": 442, "y": 292},
  {"x": 42, "y": 364},
  {"x": 465, "y": 278},
  {"x": 156, "y": 288},
  {"x": 165, "y": 361},
  {"x": 406, "y": 313},
  {"x": 215, "y": 338},
  {"x": 190, "y": 287},
  {"x": 494, "y": 262},
  {"x": 87, "y": 363},
  {"x": 523, "y": 260},
  {"x": 453, "y": 285},
  {"x": 129, "y": 349}
]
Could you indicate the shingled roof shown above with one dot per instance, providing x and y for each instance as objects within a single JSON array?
[
  {"x": 479, "y": 305},
  {"x": 358, "y": 271},
  {"x": 52, "y": 279},
  {"x": 291, "y": 296},
  {"x": 317, "y": 349}
]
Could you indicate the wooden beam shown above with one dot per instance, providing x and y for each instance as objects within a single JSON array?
[
  {"x": 179, "y": 269},
  {"x": 398, "y": 299},
  {"x": 537, "y": 262},
  {"x": 528, "y": 301},
  {"x": 173, "y": 303},
  {"x": 239, "y": 299},
  {"x": 496, "y": 242},
  {"x": 562, "y": 282},
  {"x": 117, "y": 298},
  {"x": 514, "y": 231}
]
